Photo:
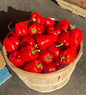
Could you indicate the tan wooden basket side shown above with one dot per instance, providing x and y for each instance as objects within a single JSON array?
[
  {"x": 46, "y": 82},
  {"x": 46, "y": 88},
  {"x": 2, "y": 61}
]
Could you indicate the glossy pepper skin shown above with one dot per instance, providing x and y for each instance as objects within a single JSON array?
[
  {"x": 52, "y": 30},
  {"x": 44, "y": 41},
  {"x": 15, "y": 40},
  {"x": 34, "y": 14},
  {"x": 63, "y": 25},
  {"x": 36, "y": 28},
  {"x": 35, "y": 17},
  {"x": 59, "y": 65},
  {"x": 47, "y": 68},
  {"x": 35, "y": 66},
  {"x": 46, "y": 57},
  {"x": 13, "y": 34},
  {"x": 21, "y": 29},
  {"x": 49, "y": 22},
  {"x": 27, "y": 40},
  {"x": 76, "y": 36},
  {"x": 64, "y": 39},
  {"x": 28, "y": 53},
  {"x": 11, "y": 43},
  {"x": 15, "y": 58},
  {"x": 68, "y": 55},
  {"x": 55, "y": 51}
]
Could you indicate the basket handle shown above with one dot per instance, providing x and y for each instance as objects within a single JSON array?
[{"x": 11, "y": 25}]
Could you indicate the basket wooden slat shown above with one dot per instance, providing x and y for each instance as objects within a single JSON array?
[
  {"x": 45, "y": 82},
  {"x": 73, "y": 8},
  {"x": 2, "y": 61}
]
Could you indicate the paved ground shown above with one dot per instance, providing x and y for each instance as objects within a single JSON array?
[{"x": 21, "y": 9}]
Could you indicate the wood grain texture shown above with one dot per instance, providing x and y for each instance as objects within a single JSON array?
[
  {"x": 2, "y": 61},
  {"x": 73, "y": 8},
  {"x": 46, "y": 82}
]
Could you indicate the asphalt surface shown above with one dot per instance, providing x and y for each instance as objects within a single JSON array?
[{"x": 21, "y": 10}]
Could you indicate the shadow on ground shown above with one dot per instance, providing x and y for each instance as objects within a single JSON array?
[{"x": 7, "y": 17}]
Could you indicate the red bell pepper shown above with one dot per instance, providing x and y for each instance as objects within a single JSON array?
[
  {"x": 27, "y": 40},
  {"x": 56, "y": 22},
  {"x": 45, "y": 40},
  {"x": 55, "y": 51},
  {"x": 11, "y": 43},
  {"x": 21, "y": 29},
  {"x": 34, "y": 14},
  {"x": 76, "y": 36},
  {"x": 15, "y": 58},
  {"x": 46, "y": 57},
  {"x": 64, "y": 39},
  {"x": 49, "y": 22},
  {"x": 15, "y": 40},
  {"x": 28, "y": 53},
  {"x": 35, "y": 17},
  {"x": 68, "y": 55},
  {"x": 36, "y": 28},
  {"x": 63, "y": 25},
  {"x": 13, "y": 34},
  {"x": 47, "y": 68},
  {"x": 59, "y": 65},
  {"x": 51, "y": 30},
  {"x": 35, "y": 66}
]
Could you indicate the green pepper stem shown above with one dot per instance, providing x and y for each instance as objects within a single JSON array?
[
  {"x": 74, "y": 26},
  {"x": 60, "y": 44},
  {"x": 34, "y": 19},
  {"x": 66, "y": 30},
  {"x": 62, "y": 58},
  {"x": 34, "y": 30},
  {"x": 36, "y": 46},
  {"x": 48, "y": 58},
  {"x": 39, "y": 66},
  {"x": 33, "y": 51}
]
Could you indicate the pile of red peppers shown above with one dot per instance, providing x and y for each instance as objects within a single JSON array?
[{"x": 44, "y": 45}]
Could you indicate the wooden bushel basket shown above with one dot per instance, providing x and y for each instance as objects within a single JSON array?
[{"x": 49, "y": 81}]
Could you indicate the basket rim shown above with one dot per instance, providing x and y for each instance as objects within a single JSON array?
[{"x": 44, "y": 74}]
